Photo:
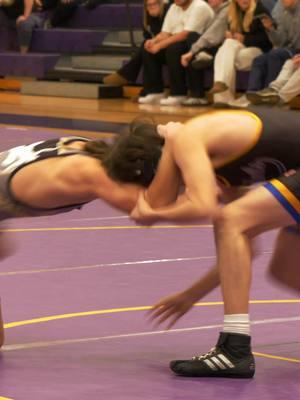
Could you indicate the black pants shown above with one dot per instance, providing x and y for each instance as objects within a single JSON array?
[
  {"x": 171, "y": 56},
  {"x": 61, "y": 12},
  {"x": 196, "y": 77},
  {"x": 131, "y": 70},
  {"x": 266, "y": 67}
]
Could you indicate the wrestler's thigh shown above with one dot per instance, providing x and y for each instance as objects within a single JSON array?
[{"x": 256, "y": 212}]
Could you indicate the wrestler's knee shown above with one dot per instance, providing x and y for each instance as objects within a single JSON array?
[{"x": 230, "y": 221}]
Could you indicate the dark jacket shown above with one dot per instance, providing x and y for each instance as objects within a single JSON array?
[
  {"x": 154, "y": 24},
  {"x": 257, "y": 35},
  {"x": 15, "y": 10}
]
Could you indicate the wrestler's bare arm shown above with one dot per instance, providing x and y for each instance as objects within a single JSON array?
[
  {"x": 164, "y": 188},
  {"x": 200, "y": 196},
  {"x": 119, "y": 195}
]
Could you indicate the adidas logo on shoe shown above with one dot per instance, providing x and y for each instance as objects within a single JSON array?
[{"x": 217, "y": 363}]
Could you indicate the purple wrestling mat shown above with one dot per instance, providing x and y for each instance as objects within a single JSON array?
[{"x": 75, "y": 296}]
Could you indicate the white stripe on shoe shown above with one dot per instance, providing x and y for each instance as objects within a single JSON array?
[
  {"x": 218, "y": 362},
  {"x": 210, "y": 365},
  {"x": 225, "y": 360}
]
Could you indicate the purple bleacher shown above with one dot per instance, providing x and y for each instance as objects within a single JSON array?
[
  {"x": 32, "y": 64},
  {"x": 8, "y": 40},
  {"x": 107, "y": 16},
  {"x": 66, "y": 40}
]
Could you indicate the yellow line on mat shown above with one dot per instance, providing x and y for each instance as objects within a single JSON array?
[
  {"x": 294, "y": 360},
  {"x": 126, "y": 309}
]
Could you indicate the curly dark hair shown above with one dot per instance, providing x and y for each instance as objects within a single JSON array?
[{"x": 134, "y": 155}]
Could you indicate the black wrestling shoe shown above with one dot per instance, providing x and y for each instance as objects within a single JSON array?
[{"x": 231, "y": 358}]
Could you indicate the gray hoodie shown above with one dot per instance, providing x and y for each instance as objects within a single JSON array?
[
  {"x": 287, "y": 33},
  {"x": 215, "y": 33}
]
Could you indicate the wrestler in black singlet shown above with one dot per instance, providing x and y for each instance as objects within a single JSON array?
[{"x": 274, "y": 157}]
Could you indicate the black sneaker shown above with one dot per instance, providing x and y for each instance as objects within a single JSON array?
[{"x": 231, "y": 358}]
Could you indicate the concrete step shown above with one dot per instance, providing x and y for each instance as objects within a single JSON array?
[
  {"x": 70, "y": 89},
  {"x": 122, "y": 38},
  {"x": 98, "y": 62}
]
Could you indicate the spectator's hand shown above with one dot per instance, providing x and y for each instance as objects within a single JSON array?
[
  {"x": 267, "y": 23},
  {"x": 228, "y": 35},
  {"x": 20, "y": 19},
  {"x": 155, "y": 48},
  {"x": 38, "y": 4},
  {"x": 239, "y": 37},
  {"x": 148, "y": 44},
  {"x": 186, "y": 59},
  {"x": 296, "y": 60}
]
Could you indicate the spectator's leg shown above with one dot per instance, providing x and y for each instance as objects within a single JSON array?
[
  {"x": 131, "y": 70},
  {"x": 128, "y": 72},
  {"x": 25, "y": 30},
  {"x": 258, "y": 73},
  {"x": 4, "y": 21},
  {"x": 284, "y": 76},
  {"x": 7, "y": 32},
  {"x": 224, "y": 65},
  {"x": 176, "y": 71},
  {"x": 292, "y": 87},
  {"x": 276, "y": 59},
  {"x": 195, "y": 80},
  {"x": 152, "y": 72},
  {"x": 225, "y": 71},
  {"x": 245, "y": 58}
]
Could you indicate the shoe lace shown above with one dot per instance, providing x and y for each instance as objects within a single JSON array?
[{"x": 209, "y": 354}]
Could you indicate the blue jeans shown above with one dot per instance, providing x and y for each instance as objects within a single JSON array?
[
  {"x": 266, "y": 67},
  {"x": 26, "y": 28}
]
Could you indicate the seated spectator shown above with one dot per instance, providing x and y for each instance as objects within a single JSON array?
[
  {"x": 61, "y": 11},
  {"x": 284, "y": 32},
  {"x": 13, "y": 14},
  {"x": 246, "y": 38},
  {"x": 284, "y": 88},
  {"x": 154, "y": 14},
  {"x": 185, "y": 18},
  {"x": 27, "y": 15},
  {"x": 201, "y": 54}
]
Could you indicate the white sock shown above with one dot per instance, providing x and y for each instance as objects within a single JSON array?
[{"x": 237, "y": 323}]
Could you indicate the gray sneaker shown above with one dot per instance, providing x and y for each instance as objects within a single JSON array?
[{"x": 268, "y": 96}]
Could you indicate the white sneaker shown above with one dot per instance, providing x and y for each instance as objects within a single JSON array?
[
  {"x": 151, "y": 98},
  {"x": 241, "y": 102},
  {"x": 172, "y": 101}
]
